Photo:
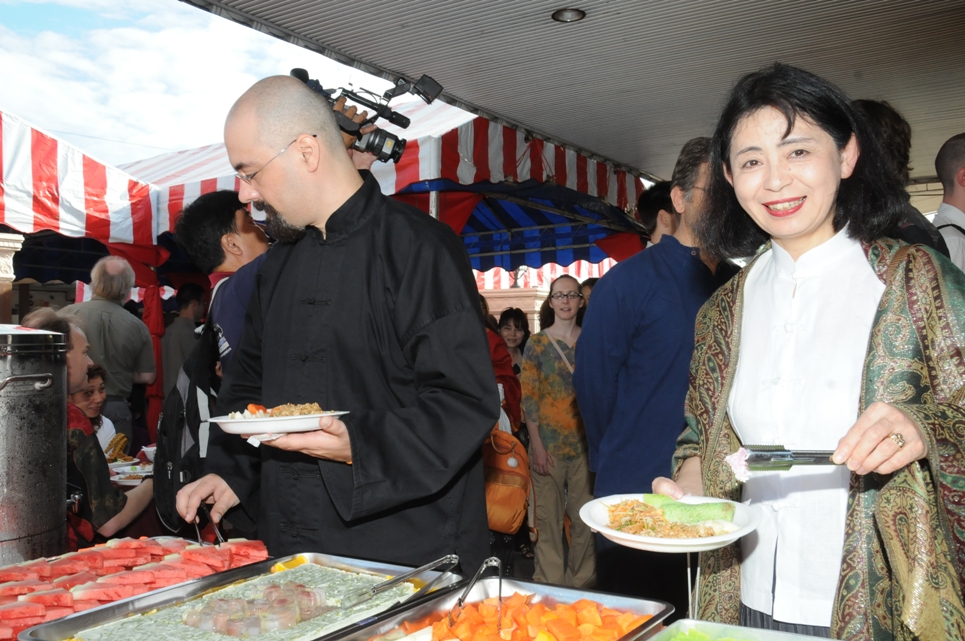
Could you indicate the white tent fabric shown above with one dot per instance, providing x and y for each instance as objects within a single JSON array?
[
  {"x": 443, "y": 142},
  {"x": 46, "y": 184}
]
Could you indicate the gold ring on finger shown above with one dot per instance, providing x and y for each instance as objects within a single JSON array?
[{"x": 898, "y": 439}]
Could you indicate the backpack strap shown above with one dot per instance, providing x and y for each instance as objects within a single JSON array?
[{"x": 962, "y": 231}]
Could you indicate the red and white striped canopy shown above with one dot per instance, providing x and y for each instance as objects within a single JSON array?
[
  {"x": 499, "y": 278},
  {"x": 443, "y": 142},
  {"x": 46, "y": 184}
]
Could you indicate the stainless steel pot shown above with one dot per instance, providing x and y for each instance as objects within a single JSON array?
[{"x": 33, "y": 444}]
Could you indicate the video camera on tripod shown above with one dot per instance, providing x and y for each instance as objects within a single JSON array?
[{"x": 384, "y": 145}]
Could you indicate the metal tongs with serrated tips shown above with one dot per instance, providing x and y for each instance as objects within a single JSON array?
[
  {"x": 491, "y": 562},
  {"x": 351, "y": 599},
  {"x": 776, "y": 458}
]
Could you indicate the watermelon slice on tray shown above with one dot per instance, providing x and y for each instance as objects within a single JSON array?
[
  {"x": 15, "y": 588},
  {"x": 20, "y": 610},
  {"x": 70, "y": 580},
  {"x": 55, "y": 613},
  {"x": 58, "y": 597},
  {"x": 219, "y": 559},
  {"x": 80, "y": 606}
]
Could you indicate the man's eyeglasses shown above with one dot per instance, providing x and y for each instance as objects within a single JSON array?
[
  {"x": 569, "y": 295},
  {"x": 247, "y": 178}
]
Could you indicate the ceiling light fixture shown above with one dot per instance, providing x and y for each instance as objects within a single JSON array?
[{"x": 568, "y": 15}]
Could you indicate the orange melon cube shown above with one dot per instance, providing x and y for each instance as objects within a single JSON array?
[
  {"x": 589, "y": 615},
  {"x": 563, "y": 630}
]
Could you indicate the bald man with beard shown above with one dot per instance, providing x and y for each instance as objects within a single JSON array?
[{"x": 366, "y": 305}]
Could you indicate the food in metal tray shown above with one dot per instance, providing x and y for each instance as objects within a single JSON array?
[
  {"x": 662, "y": 517},
  {"x": 288, "y": 409},
  {"x": 294, "y": 604},
  {"x": 48, "y": 589},
  {"x": 521, "y": 620}
]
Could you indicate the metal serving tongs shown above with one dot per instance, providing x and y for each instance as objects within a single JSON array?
[
  {"x": 776, "y": 458},
  {"x": 214, "y": 526},
  {"x": 351, "y": 599},
  {"x": 491, "y": 562}
]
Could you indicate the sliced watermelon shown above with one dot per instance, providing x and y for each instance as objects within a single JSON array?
[
  {"x": 244, "y": 547},
  {"x": 193, "y": 570},
  {"x": 6, "y": 632},
  {"x": 115, "y": 553},
  {"x": 117, "y": 564},
  {"x": 20, "y": 610},
  {"x": 140, "y": 559},
  {"x": 4, "y": 600},
  {"x": 40, "y": 566},
  {"x": 80, "y": 606},
  {"x": 134, "y": 577},
  {"x": 14, "y": 588},
  {"x": 164, "y": 583},
  {"x": 163, "y": 571},
  {"x": 171, "y": 545},
  {"x": 127, "y": 542},
  {"x": 106, "y": 571},
  {"x": 19, "y": 625},
  {"x": 68, "y": 564},
  {"x": 92, "y": 558},
  {"x": 58, "y": 597},
  {"x": 57, "y": 613},
  {"x": 97, "y": 591},
  {"x": 67, "y": 582},
  {"x": 17, "y": 573},
  {"x": 209, "y": 555}
]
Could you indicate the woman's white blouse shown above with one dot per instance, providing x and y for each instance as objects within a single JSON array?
[
  {"x": 804, "y": 335},
  {"x": 106, "y": 432}
]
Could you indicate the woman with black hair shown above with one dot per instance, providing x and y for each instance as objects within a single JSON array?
[
  {"x": 833, "y": 338},
  {"x": 514, "y": 328}
]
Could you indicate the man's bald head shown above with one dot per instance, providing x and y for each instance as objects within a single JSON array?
[{"x": 281, "y": 108}]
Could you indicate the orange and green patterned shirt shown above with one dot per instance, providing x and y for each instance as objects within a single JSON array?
[{"x": 549, "y": 398}]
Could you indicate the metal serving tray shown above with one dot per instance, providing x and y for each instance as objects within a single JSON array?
[
  {"x": 69, "y": 626},
  {"x": 721, "y": 631},
  {"x": 489, "y": 587}
]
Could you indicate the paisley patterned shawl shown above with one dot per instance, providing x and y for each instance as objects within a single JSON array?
[{"x": 904, "y": 550}]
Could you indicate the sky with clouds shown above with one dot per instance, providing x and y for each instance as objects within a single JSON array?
[{"x": 124, "y": 80}]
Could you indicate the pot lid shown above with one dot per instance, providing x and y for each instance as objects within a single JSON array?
[{"x": 14, "y": 338}]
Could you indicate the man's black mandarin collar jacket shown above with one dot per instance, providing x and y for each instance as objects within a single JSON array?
[{"x": 379, "y": 318}]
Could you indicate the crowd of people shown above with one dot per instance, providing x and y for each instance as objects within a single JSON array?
[{"x": 842, "y": 332}]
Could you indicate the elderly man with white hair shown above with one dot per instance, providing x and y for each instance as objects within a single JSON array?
[{"x": 119, "y": 340}]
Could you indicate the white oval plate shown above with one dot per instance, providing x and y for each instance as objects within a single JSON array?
[
  {"x": 120, "y": 465},
  {"x": 595, "y": 515},
  {"x": 271, "y": 425},
  {"x": 125, "y": 480},
  {"x": 133, "y": 469}
]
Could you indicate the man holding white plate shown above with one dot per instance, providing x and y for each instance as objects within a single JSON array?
[{"x": 367, "y": 306}]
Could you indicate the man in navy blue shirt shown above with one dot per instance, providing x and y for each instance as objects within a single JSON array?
[
  {"x": 220, "y": 237},
  {"x": 631, "y": 375}
]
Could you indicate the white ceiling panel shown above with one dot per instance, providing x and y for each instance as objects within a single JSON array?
[{"x": 635, "y": 80}]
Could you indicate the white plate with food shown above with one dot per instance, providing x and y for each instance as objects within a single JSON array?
[
  {"x": 133, "y": 469},
  {"x": 121, "y": 464},
  {"x": 711, "y": 533},
  {"x": 284, "y": 419},
  {"x": 128, "y": 480}
]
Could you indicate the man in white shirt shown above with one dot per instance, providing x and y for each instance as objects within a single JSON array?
[{"x": 950, "y": 219}]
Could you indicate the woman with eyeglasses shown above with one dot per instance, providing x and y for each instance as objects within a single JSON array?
[{"x": 558, "y": 452}]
